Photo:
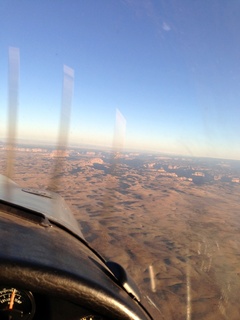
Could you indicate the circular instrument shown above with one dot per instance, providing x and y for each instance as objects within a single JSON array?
[{"x": 16, "y": 304}]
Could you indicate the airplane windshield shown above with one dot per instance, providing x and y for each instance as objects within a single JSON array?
[{"x": 130, "y": 111}]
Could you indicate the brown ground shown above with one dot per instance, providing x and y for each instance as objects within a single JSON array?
[{"x": 189, "y": 234}]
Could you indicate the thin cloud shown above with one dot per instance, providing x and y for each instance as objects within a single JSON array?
[
  {"x": 166, "y": 27},
  {"x": 146, "y": 8}
]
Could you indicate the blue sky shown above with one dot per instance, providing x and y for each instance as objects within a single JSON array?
[{"x": 171, "y": 67}]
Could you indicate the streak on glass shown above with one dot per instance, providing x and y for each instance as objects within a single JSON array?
[
  {"x": 61, "y": 151},
  {"x": 13, "y": 88}
]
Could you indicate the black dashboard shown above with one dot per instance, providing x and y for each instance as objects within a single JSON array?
[
  {"x": 52, "y": 274},
  {"x": 49, "y": 271},
  {"x": 26, "y": 305}
]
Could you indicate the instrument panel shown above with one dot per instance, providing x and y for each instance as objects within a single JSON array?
[{"x": 18, "y": 304}]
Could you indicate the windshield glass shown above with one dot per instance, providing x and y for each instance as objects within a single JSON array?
[{"x": 154, "y": 185}]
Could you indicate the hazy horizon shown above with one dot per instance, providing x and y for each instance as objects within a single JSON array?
[{"x": 107, "y": 148}]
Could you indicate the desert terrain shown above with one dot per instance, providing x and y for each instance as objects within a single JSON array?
[{"x": 172, "y": 222}]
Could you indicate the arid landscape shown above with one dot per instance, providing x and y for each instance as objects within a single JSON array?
[{"x": 172, "y": 222}]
